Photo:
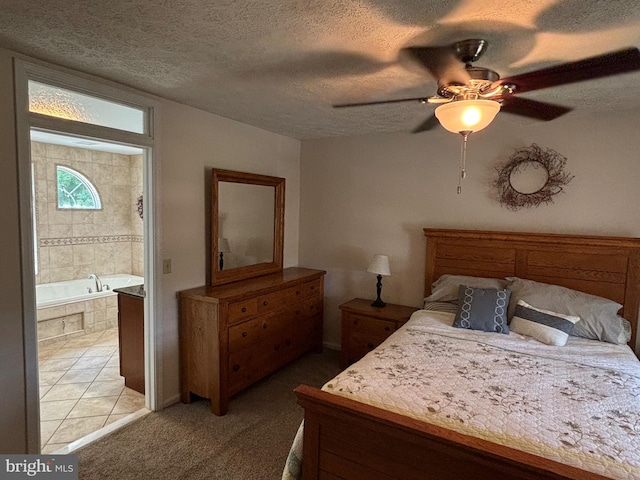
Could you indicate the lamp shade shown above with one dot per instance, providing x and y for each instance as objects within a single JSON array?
[
  {"x": 223, "y": 245},
  {"x": 467, "y": 115},
  {"x": 380, "y": 265}
]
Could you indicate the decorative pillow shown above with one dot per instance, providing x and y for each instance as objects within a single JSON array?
[
  {"x": 445, "y": 288},
  {"x": 482, "y": 309},
  {"x": 598, "y": 316},
  {"x": 543, "y": 325},
  {"x": 447, "y": 307}
]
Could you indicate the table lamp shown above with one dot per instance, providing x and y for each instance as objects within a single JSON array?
[{"x": 380, "y": 266}]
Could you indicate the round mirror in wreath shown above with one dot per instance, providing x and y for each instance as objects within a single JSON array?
[{"x": 530, "y": 177}]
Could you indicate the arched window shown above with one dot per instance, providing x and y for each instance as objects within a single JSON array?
[{"x": 75, "y": 190}]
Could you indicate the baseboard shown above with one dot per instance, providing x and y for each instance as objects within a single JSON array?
[{"x": 171, "y": 400}]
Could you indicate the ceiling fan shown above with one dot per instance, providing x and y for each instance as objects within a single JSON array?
[{"x": 459, "y": 80}]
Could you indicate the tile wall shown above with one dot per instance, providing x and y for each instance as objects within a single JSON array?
[{"x": 73, "y": 244}]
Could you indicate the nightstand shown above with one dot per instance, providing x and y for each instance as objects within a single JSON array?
[{"x": 365, "y": 327}]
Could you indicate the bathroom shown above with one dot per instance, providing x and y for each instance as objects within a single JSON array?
[{"x": 82, "y": 254}]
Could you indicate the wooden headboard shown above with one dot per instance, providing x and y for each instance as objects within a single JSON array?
[{"x": 605, "y": 266}]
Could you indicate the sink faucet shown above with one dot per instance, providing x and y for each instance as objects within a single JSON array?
[{"x": 95, "y": 277}]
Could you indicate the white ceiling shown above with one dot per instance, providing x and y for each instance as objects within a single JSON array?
[{"x": 281, "y": 64}]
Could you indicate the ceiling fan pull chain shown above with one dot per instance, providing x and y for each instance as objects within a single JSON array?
[
  {"x": 460, "y": 177},
  {"x": 463, "y": 159}
]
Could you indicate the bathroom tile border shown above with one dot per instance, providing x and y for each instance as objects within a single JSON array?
[{"x": 53, "y": 242}]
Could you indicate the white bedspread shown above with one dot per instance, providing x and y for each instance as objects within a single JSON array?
[{"x": 578, "y": 404}]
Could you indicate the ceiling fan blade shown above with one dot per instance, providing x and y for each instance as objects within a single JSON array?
[
  {"x": 533, "y": 108},
  {"x": 428, "y": 124},
  {"x": 442, "y": 63},
  {"x": 612, "y": 63},
  {"x": 379, "y": 102}
]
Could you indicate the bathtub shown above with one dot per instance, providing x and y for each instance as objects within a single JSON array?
[
  {"x": 66, "y": 309},
  {"x": 61, "y": 293}
]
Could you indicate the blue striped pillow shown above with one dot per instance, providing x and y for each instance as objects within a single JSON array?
[
  {"x": 543, "y": 325},
  {"x": 447, "y": 307}
]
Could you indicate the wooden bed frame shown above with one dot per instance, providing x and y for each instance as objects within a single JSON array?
[{"x": 348, "y": 440}]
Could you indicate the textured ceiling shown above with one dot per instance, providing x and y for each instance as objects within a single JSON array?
[{"x": 281, "y": 64}]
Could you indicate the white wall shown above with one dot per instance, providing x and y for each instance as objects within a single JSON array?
[
  {"x": 374, "y": 194},
  {"x": 192, "y": 142}
]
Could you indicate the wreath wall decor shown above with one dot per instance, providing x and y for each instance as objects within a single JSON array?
[
  {"x": 521, "y": 160},
  {"x": 140, "y": 208}
]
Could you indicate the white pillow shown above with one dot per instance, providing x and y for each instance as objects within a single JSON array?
[
  {"x": 598, "y": 316},
  {"x": 446, "y": 288},
  {"x": 543, "y": 325}
]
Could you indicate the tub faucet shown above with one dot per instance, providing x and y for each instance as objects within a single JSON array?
[{"x": 96, "y": 278}]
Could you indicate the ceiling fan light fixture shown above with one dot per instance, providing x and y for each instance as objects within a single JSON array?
[{"x": 467, "y": 115}]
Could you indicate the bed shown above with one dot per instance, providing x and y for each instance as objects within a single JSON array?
[{"x": 361, "y": 424}]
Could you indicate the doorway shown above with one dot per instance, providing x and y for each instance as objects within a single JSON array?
[
  {"x": 87, "y": 219},
  {"x": 85, "y": 151}
]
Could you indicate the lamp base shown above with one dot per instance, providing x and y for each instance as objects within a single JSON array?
[{"x": 379, "y": 302}]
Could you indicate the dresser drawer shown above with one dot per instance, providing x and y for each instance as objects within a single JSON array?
[
  {"x": 247, "y": 332},
  {"x": 239, "y": 311},
  {"x": 250, "y": 364},
  {"x": 276, "y": 300},
  {"x": 371, "y": 326},
  {"x": 257, "y": 329},
  {"x": 247, "y": 366},
  {"x": 313, "y": 287},
  {"x": 312, "y": 307}
]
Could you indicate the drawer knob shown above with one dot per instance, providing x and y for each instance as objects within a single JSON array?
[
  {"x": 370, "y": 346},
  {"x": 313, "y": 288},
  {"x": 265, "y": 325},
  {"x": 355, "y": 322},
  {"x": 265, "y": 303},
  {"x": 297, "y": 312},
  {"x": 236, "y": 367},
  {"x": 244, "y": 334},
  {"x": 298, "y": 292},
  {"x": 287, "y": 342},
  {"x": 386, "y": 329},
  {"x": 244, "y": 309},
  {"x": 276, "y": 346}
]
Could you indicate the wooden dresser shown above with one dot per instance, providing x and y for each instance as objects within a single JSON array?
[{"x": 232, "y": 335}]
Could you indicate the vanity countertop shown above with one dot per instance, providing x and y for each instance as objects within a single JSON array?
[{"x": 133, "y": 290}]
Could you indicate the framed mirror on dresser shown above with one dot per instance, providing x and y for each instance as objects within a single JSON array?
[
  {"x": 247, "y": 225},
  {"x": 254, "y": 316}
]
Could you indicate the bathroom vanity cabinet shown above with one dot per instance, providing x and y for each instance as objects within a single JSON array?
[
  {"x": 233, "y": 335},
  {"x": 131, "y": 336}
]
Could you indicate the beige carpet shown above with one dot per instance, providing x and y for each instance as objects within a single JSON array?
[{"x": 251, "y": 442}]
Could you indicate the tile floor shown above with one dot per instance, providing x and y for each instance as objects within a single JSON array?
[{"x": 81, "y": 389}]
